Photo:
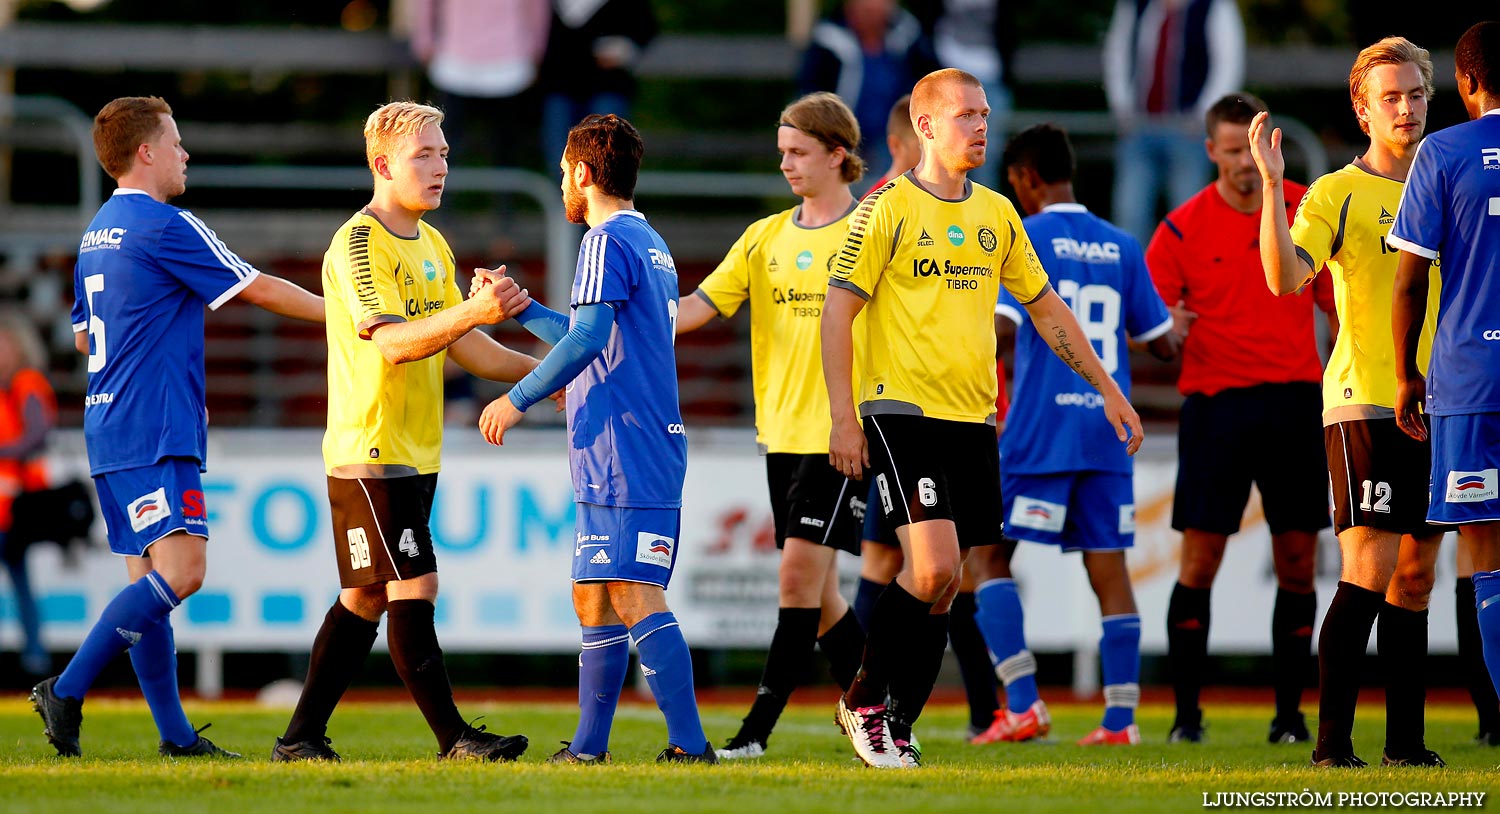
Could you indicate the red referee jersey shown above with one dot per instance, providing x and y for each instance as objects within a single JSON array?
[{"x": 1207, "y": 255}]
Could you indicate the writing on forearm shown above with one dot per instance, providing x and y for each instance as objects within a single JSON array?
[{"x": 1063, "y": 347}]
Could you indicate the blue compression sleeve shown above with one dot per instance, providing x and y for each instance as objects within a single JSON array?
[
  {"x": 568, "y": 357},
  {"x": 543, "y": 322}
]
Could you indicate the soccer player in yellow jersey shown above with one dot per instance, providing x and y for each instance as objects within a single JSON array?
[
  {"x": 928, "y": 253},
  {"x": 779, "y": 266},
  {"x": 394, "y": 312},
  {"x": 1379, "y": 475}
]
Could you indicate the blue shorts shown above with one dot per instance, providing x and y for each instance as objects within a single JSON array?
[
  {"x": 1465, "y": 469},
  {"x": 1079, "y": 511},
  {"x": 146, "y": 504},
  {"x": 876, "y": 530},
  {"x": 617, "y": 544}
]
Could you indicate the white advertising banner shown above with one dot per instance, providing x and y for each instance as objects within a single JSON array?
[{"x": 503, "y": 531}]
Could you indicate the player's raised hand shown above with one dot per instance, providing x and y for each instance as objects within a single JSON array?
[
  {"x": 498, "y": 416},
  {"x": 1410, "y": 393},
  {"x": 847, "y": 450},
  {"x": 1123, "y": 418},
  {"x": 1265, "y": 148}
]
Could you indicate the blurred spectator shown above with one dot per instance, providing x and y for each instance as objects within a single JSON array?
[
  {"x": 870, "y": 53},
  {"x": 483, "y": 56},
  {"x": 978, "y": 36},
  {"x": 590, "y": 62},
  {"x": 27, "y": 411},
  {"x": 1165, "y": 62}
]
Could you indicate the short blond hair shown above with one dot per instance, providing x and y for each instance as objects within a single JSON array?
[
  {"x": 933, "y": 88},
  {"x": 1389, "y": 51},
  {"x": 826, "y": 118},
  {"x": 394, "y": 121}
]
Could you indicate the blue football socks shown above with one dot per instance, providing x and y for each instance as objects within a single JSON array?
[
  {"x": 1120, "y": 656},
  {"x": 668, "y": 668},
  {"x": 1487, "y": 602},
  {"x": 1001, "y": 621},
  {"x": 602, "y": 664},
  {"x": 155, "y": 661},
  {"x": 125, "y": 620}
]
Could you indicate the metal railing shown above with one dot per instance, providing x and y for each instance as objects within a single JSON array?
[{"x": 79, "y": 128}]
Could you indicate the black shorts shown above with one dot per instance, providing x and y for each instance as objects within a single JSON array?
[
  {"x": 380, "y": 528},
  {"x": 1269, "y": 435},
  {"x": 931, "y": 469},
  {"x": 810, "y": 500},
  {"x": 1380, "y": 477}
]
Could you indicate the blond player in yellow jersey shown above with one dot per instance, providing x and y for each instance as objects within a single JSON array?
[
  {"x": 779, "y": 267},
  {"x": 1379, "y": 475},
  {"x": 394, "y": 312},
  {"x": 928, "y": 252}
]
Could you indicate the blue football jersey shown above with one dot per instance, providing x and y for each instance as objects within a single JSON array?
[
  {"x": 145, "y": 270},
  {"x": 1056, "y": 423},
  {"x": 1451, "y": 205},
  {"x": 627, "y": 446}
]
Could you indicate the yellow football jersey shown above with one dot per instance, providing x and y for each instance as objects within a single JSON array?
[
  {"x": 782, "y": 270},
  {"x": 931, "y": 270},
  {"x": 384, "y": 420},
  {"x": 1343, "y": 221}
]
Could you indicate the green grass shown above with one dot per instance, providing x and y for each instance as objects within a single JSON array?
[{"x": 389, "y": 766}]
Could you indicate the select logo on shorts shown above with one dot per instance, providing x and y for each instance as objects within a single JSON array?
[
  {"x": 654, "y": 549},
  {"x": 150, "y": 509},
  {"x": 1127, "y": 519},
  {"x": 1473, "y": 487},
  {"x": 1031, "y": 513}
]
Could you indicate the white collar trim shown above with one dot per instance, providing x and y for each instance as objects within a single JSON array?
[
  {"x": 1065, "y": 207},
  {"x": 129, "y": 191}
]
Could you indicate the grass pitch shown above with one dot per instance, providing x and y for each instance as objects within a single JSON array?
[{"x": 390, "y": 766}]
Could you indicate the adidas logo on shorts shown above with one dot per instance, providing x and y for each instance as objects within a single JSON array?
[
  {"x": 599, "y": 558},
  {"x": 129, "y": 636}
]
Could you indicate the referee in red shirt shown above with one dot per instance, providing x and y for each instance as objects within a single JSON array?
[{"x": 1250, "y": 374}]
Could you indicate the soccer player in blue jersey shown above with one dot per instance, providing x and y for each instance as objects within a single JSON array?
[
  {"x": 145, "y": 271},
  {"x": 1071, "y": 486},
  {"x": 628, "y": 449},
  {"x": 1451, "y": 206}
]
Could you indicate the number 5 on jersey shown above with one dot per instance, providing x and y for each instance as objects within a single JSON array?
[{"x": 93, "y": 284}]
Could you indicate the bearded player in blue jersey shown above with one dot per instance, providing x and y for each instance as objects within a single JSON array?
[
  {"x": 1451, "y": 206},
  {"x": 1070, "y": 486},
  {"x": 628, "y": 449},
  {"x": 145, "y": 271}
]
